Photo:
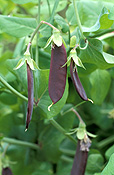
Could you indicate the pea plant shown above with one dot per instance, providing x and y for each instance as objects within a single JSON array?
[{"x": 56, "y": 87}]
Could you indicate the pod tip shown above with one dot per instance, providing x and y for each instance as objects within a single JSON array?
[
  {"x": 26, "y": 130},
  {"x": 90, "y": 100},
  {"x": 50, "y": 106}
]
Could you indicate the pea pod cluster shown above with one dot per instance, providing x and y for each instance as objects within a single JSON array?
[
  {"x": 30, "y": 95},
  {"x": 57, "y": 75},
  {"x": 76, "y": 81}
]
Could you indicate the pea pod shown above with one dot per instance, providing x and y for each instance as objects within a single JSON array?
[
  {"x": 30, "y": 95},
  {"x": 80, "y": 161},
  {"x": 76, "y": 81},
  {"x": 57, "y": 75},
  {"x": 6, "y": 171}
]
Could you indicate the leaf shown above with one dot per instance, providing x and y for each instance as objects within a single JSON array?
[
  {"x": 100, "y": 81},
  {"x": 109, "y": 169},
  {"x": 103, "y": 22},
  {"x": 50, "y": 135},
  {"x": 88, "y": 13},
  {"x": 109, "y": 152},
  {"x": 94, "y": 164},
  {"x": 23, "y": 1},
  {"x": 42, "y": 81},
  {"x": 94, "y": 54},
  {"x": 111, "y": 14},
  {"x": 108, "y": 58},
  {"x": 62, "y": 23},
  {"x": 17, "y": 27},
  {"x": 45, "y": 102}
]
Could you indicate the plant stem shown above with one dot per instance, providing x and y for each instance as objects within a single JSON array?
[
  {"x": 36, "y": 30},
  {"x": 67, "y": 151},
  {"x": 12, "y": 89},
  {"x": 20, "y": 143},
  {"x": 105, "y": 142},
  {"x": 62, "y": 130},
  {"x": 105, "y": 36},
  {"x": 69, "y": 110},
  {"x": 49, "y": 7},
  {"x": 66, "y": 159},
  {"x": 77, "y": 114},
  {"x": 78, "y": 19}
]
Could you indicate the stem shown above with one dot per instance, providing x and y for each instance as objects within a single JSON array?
[
  {"x": 69, "y": 110},
  {"x": 78, "y": 19},
  {"x": 105, "y": 36},
  {"x": 44, "y": 22},
  {"x": 20, "y": 143},
  {"x": 62, "y": 130},
  {"x": 106, "y": 141},
  {"x": 66, "y": 159},
  {"x": 5, "y": 150},
  {"x": 49, "y": 7},
  {"x": 77, "y": 114},
  {"x": 36, "y": 30},
  {"x": 13, "y": 90},
  {"x": 67, "y": 151}
]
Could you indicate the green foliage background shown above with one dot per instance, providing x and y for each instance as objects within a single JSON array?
[{"x": 18, "y": 20}]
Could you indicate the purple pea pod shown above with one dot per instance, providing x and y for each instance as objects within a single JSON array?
[
  {"x": 80, "y": 159},
  {"x": 76, "y": 81},
  {"x": 6, "y": 171},
  {"x": 30, "y": 95},
  {"x": 57, "y": 75}
]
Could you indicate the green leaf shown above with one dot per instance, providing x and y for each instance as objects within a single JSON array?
[
  {"x": 94, "y": 164},
  {"x": 50, "y": 135},
  {"x": 108, "y": 58},
  {"x": 23, "y": 1},
  {"x": 42, "y": 81},
  {"x": 103, "y": 22},
  {"x": 111, "y": 14},
  {"x": 94, "y": 54},
  {"x": 17, "y": 27},
  {"x": 62, "y": 23},
  {"x": 45, "y": 102},
  {"x": 109, "y": 169},
  {"x": 100, "y": 81},
  {"x": 20, "y": 63},
  {"x": 109, "y": 152}
]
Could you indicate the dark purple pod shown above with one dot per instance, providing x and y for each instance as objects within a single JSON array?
[
  {"x": 80, "y": 161},
  {"x": 30, "y": 95},
  {"x": 77, "y": 82},
  {"x": 6, "y": 171},
  {"x": 57, "y": 75}
]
